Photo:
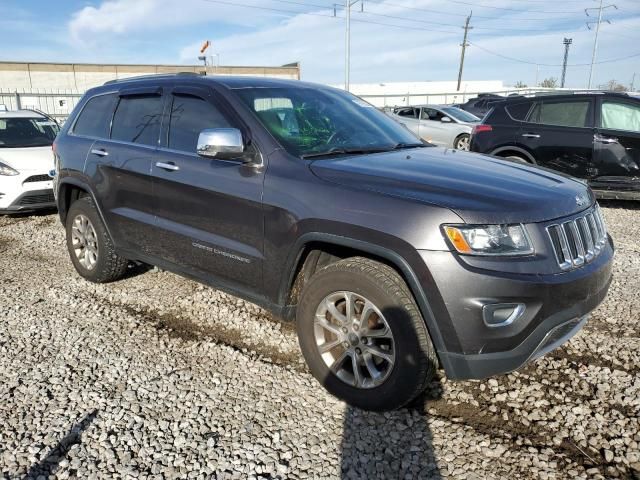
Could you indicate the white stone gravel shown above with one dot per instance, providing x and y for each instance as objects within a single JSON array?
[{"x": 156, "y": 376}]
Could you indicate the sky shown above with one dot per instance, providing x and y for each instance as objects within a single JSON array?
[{"x": 391, "y": 40}]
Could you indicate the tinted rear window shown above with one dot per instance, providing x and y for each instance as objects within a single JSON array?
[
  {"x": 519, "y": 111},
  {"x": 137, "y": 119},
  {"x": 95, "y": 118},
  {"x": 564, "y": 114},
  {"x": 189, "y": 116}
]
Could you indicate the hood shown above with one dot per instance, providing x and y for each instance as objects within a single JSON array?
[
  {"x": 479, "y": 188},
  {"x": 29, "y": 159}
]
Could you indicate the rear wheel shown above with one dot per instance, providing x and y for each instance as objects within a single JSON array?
[
  {"x": 90, "y": 247},
  {"x": 519, "y": 159},
  {"x": 362, "y": 335},
  {"x": 463, "y": 142}
]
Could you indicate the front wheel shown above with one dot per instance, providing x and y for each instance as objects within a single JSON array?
[
  {"x": 463, "y": 142},
  {"x": 362, "y": 335}
]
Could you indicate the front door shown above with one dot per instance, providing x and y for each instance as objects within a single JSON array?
[
  {"x": 209, "y": 211},
  {"x": 559, "y": 135},
  {"x": 617, "y": 145}
]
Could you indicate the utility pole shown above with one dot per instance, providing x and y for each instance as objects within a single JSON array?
[
  {"x": 567, "y": 43},
  {"x": 633, "y": 81},
  {"x": 464, "y": 47},
  {"x": 595, "y": 42},
  {"x": 347, "y": 37}
]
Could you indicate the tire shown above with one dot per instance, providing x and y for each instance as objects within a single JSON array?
[
  {"x": 414, "y": 358},
  {"x": 90, "y": 247},
  {"x": 519, "y": 159},
  {"x": 462, "y": 142}
]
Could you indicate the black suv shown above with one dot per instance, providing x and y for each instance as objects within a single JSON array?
[
  {"x": 393, "y": 256},
  {"x": 594, "y": 136},
  {"x": 481, "y": 104}
]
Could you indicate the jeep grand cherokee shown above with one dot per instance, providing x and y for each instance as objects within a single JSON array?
[{"x": 394, "y": 256}]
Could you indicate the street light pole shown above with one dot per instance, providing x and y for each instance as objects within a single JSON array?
[
  {"x": 567, "y": 43},
  {"x": 347, "y": 39}
]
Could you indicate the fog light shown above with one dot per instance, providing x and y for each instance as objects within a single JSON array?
[{"x": 502, "y": 314}]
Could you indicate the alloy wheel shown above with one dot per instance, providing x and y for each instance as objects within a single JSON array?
[
  {"x": 354, "y": 339},
  {"x": 84, "y": 241}
]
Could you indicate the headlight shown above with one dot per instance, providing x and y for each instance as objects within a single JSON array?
[
  {"x": 7, "y": 170},
  {"x": 489, "y": 239}
]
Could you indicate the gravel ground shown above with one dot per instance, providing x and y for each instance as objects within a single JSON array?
[{"x": 157, "y": 376}]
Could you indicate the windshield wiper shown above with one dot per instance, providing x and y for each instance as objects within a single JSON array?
[
  {"x": 400, "y": 146},
  {"x": 343, "y": 151}
]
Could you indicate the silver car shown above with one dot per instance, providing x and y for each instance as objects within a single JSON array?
[{"x": 444, "y": 126}]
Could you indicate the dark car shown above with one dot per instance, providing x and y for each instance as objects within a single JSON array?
[
  {"x": 393, "y": 256},
  {"x": 480, "y": 105},
  {"x": 592, "y": 136}
]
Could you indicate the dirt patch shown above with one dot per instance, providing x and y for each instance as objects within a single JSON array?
[{"x": 177, "y": 326}]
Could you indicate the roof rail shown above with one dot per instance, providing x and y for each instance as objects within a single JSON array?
[{"x": 152, "y": 75}]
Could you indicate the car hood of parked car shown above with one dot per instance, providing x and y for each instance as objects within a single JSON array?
[
  {"x": 29, "y": 159},
  {"x": 479, "y": 188}
]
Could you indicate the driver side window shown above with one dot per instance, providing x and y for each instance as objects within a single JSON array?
[{"x": 189, "y": 116}]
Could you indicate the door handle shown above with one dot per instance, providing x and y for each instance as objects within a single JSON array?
[
  {"x": 605, "y": 140},
  {"x": 530, "y": 135},
  {"x": 101, "y": 152},
  {"x": 172, "y": 167}
]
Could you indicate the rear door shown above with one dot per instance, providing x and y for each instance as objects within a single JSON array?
[
  {"x": 559, "y": 135},
  {"x": 209, "y": 211},
  {"x": 121, "y": 167},
  {"x": 617, "y": 144}
]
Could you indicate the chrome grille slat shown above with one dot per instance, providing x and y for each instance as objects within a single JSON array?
[{"x": 580, "y": 240}]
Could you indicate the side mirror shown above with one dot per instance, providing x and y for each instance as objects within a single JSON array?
[
  {"x": 445, "y": 120},
  {"x": 223, "y": 143}
]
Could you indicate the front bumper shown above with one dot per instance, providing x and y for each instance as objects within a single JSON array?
[
  {"x": 29, "y": 201},
  {"x": 557, "y": 306}
]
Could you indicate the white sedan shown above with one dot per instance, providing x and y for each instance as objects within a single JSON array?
[
  {"x": 441, "y": 125},
  {"x": 26, "y": 161}
]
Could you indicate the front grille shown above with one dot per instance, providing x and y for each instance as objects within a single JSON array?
[
  {"x": 38, "y": 178},
  {"x": 580, "y": 240},
  {"x": 37, "y": 199}
]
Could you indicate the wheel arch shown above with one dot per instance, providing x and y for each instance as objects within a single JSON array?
[
  {"x": 71, "y": 189},
  {"x": 316, "y": 250},
  {"x": 504, "y": 150}
]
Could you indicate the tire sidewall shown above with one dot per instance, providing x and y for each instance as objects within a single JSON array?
[
  {"x": 402, "y": 380},
  {"x": 85, "y": 206}
]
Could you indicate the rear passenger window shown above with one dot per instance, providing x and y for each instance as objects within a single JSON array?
[
  {"x": 137, "y": 119},
  {"x": 518, "y": 111},
  {"x": 95, "y": 118},
  {"x": 564, "y": 114},
  {"x": 189, "y": 116}
]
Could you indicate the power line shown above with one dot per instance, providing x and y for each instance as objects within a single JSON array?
[
  {"x": 475, "y": 5},
  {"x": 519, "y": 60},
  {"x": 315, "y": 14}
]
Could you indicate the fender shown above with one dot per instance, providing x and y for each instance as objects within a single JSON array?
[
  {"x": 512, "y": 148},
  {"x": 76, "y": 182},
  {"x": 394, "y": 258}
]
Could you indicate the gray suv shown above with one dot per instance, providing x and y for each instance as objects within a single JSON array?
[{"x": 394, "y": 257}]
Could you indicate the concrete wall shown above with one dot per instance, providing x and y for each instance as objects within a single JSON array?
[{"x": 52, "y": 77}]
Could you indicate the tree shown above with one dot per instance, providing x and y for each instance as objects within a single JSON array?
[
  {"x": 550, "y": 82},
  {"x": 614, "y": 86},
  {"x": 520, "y": 84}
]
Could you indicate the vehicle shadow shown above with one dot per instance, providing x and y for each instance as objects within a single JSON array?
[
  {"x": 49, "y": 464},
  {"x": 393, "y": 444}
]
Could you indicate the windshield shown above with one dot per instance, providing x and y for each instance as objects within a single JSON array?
[
  {"x": 310, "y": 122},
  {"x": 460, "y": 115},
  {"x": 27, "y": 132}
]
